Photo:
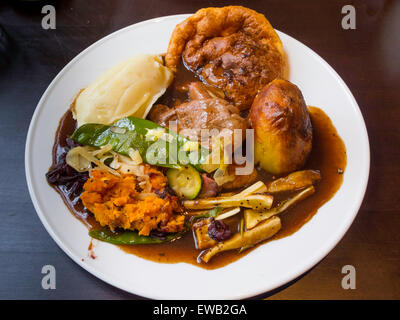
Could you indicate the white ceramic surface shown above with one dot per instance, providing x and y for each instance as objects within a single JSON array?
[{"x": 270, "y": 265}]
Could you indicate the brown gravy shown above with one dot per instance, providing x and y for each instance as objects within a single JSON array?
[{"x": 328, "y": 156}]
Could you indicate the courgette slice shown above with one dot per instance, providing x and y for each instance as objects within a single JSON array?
[{"x": 186, "y": 181}]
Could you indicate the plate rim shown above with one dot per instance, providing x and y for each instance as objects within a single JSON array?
[{"x": 321, "y": 255}]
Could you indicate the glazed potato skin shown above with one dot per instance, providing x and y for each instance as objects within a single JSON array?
[{"x": 282, "y": 127}]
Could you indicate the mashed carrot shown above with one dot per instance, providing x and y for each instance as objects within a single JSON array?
[{"x": 114, "y": 201}]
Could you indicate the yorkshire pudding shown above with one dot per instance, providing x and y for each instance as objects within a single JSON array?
[
  {"x": 232, "y": 48},
  {"x": 282, "y": 128}
]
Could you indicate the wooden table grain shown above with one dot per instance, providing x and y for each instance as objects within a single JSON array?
[{"x": 367, "y": 58}]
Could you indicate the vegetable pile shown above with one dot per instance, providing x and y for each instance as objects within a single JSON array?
[{"x": 146, "y": 184}]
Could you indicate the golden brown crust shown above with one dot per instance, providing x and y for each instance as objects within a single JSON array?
[
  {"x": 240, "y": 181},
  {"x": 232, "y": 48},
  {"x": 282, "y": 127}
]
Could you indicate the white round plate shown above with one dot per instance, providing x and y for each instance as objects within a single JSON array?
[{"x": 266, "y": 268}]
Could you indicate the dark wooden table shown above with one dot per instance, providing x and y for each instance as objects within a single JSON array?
[{"x": 367, "y": 58}]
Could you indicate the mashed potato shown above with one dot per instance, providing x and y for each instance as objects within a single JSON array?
[{"x": 128, "y": 89}]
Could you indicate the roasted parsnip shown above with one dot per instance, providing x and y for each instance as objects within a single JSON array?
[
  {"x": 201, "y": 236},
  {"x": 294, "y": 181},
  {"x": 252, "y": 218},
  {"x": 257, "y": 187},
  {"x": 256, "y": 202},
  {"x": 248, "y": 238},
  {"x": 228, "y": 214}
]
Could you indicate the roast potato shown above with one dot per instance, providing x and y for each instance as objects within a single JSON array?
[{"x": 282, "y": 127}]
